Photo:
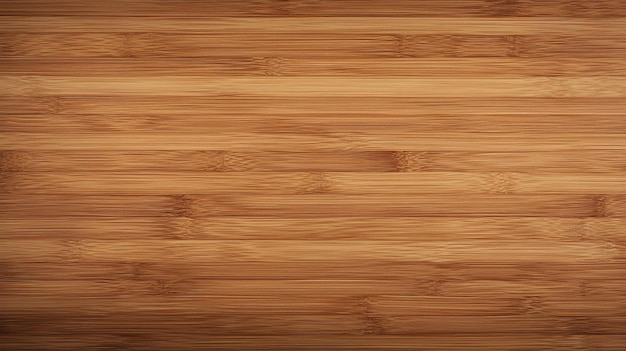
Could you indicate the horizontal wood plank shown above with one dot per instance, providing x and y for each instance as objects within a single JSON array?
[
  {"x": 314, "y": 205},
  {"x": 272, "y": 48},
  {"x": 136, "y": 106},
  {"x": 454, "y": 342},
  {"x": 506, "y": 229},
  {"x": 310, "y": 24},
  {"x": 321, "y": 66},
  {"x": 368, "y": 8},
  {"x": 548, "y": 162},
  {"x": 530, "y": 87},
  {"x": 432, "y": 275},
  {"x": 189, "y": 251},
  {"x": 267, "y": 141},
  {"x": 267, "y": 183}
]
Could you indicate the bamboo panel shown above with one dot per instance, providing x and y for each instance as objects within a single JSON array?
[{"x": 312, "y": 175}]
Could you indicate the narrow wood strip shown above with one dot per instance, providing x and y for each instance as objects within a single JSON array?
[
  {"x": 167, "y": 340},
  {"x": 312, "y": 25},
  {"x": 87, "y": 206},
  {"x": 416, "y": 325},
  {"x": 378, "y": 123},
  {"x": 206, "y": 161},
  {"x": 402, "y": 298},
  {"x": 162, "y": 184},
  {"x": 272, "y": 49},
  {"x": 161, "y": 303},
  {"x": 310, "y": 303},
  {"x": 505, "y": 229},
  {"x": 314, "y": 205},
  {"x": 392, "y": 306},
  {"x": 583, "y": 161},
  {"x": 284, "y": 106},
  {"x": 609, "y": 87},
  {"x": 191, "y": 251},
  {"x": 218, "y": 45},
  {"x": 227, "y": 295},
  {"x": 368, "y": 8},
  {"x": 442, "y": 182},
  {"x": 170, "y": 183},
  {"x": 483, "y": 142},
  {"x": 557, "y": 293},
  {"x": 342, "y": 67},
  {"x": 431, "y": 276},
  {"x": 148, "y": 322}
]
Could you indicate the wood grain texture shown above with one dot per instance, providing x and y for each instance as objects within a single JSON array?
[{"x": 312, "y": 175}]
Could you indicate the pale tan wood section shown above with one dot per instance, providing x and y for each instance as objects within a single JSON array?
[
  {"x": 419, "y": 229},
  {"x": 227, "y": 106},
  {"x": 189, "y": 251},
  {"x": 276, "y": 141},
  {"x": 575, "y": 87},
  {"x": 268, "y": 183}
]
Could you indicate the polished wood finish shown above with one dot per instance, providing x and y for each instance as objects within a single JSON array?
[{"x": 312, "y": 175}]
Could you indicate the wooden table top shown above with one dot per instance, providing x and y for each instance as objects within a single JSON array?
[{"x": 312, "y": 175}]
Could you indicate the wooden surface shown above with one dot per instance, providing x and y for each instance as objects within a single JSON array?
[{"x": 313, "y": 175}]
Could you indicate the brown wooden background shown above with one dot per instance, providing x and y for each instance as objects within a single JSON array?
[{"x": 315, "y": 174}]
